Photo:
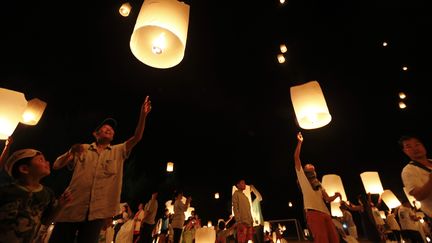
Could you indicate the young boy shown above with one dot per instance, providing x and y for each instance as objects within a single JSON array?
[{"x": 25, "y": 203}]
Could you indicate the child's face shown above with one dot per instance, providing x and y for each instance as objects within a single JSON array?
[{"x": 39, "y": 167}]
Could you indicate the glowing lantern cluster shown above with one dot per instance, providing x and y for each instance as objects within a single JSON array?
[{"x": 14, "y": 109}]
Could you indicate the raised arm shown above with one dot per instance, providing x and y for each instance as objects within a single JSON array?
[
  {"x": 328, "y": 198},
  {"x": 139, "y": 130},
  {"x": 66, "y": 158},
  {"x": 5, "y": 153},
  {"x": 297, "y": 160}
]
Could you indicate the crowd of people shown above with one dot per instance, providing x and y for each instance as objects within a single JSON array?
[{"x": 89, "y": 207}]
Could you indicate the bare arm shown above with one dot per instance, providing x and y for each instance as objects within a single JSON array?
[
  {"x": 256, "y": 192},
  {"x": 139, "y": 130},
  {"x": 421, "y": 193},
  {"x": 327, "y": 198},
  {"x": 5, "y": 153},
  {"x": 65, "y": 159},
  {"x": 297, "y": 160}
]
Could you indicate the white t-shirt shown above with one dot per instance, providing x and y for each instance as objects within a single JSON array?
[
  {"x": 414, "y": 176},
  {"x": 311, "y": 199}
]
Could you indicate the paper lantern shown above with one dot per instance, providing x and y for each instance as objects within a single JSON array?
[
  {"x": 170, "y": 167},
  {"x": 332, "y": 184},
  {"x": 281, "y": 58},
  {"x": 205, "y": 235},
  {"x": 283, "y": 48},
  {"x": 382, "y": 214},
  {"x": 216, "y": 195},
  {"x": 371, "y": 182},
  {"x": 125, "y": 9},
  {"x": 390, "y": 199},
  {"x": 209, "y": 223},
  {"x": 33, "y": 112},
  {"x": 310, "y": 105},
  {"x": 160, "y": 33},
  {"x": 412, "y": 199},
  {"x": 335, "y": 209},
  {"x": 12, "y": 106},
  {"x": 267, "y": 227},
  {"x": 170, "y": 207}
]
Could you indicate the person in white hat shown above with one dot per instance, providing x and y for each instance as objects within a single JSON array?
[{"x": 25, "y": 202}]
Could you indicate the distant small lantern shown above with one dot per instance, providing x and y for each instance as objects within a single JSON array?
[
  {"x": 33, "y": 112},
  {"x": 209, "y": 223},
  {"x": 384, "y": 44},
  {"x": 216, "y": 195},
  {"x": 282, "y": 1},
  {"x": 283, "y": 48},
  {"x": 402, "y": 95},
  {"x": 402, "y": 105},
  {"x": 310, "y": 105},
  {"x": 125, "y": 9},
  {"x": 170, "y": 167},
  {"x": 332, "y": 184},
  {"x": 281, "y": 58},
  {"x": 290, "y": 204},
  {"x": 160, "y": 33},
  {"x": 371, "y": 182},
  {"x": 12, "y": 106},
  {"x": 390, "y": 199},
  {"x": 405, "y": 68}
]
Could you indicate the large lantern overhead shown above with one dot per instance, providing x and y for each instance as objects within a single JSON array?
[
  {"x": 372, "y": 182},
  {"x": 33, "y": 112},
  {"x": 310, "y": 105},
  {"x": 12, "y": 106},
  {"x": 333, "y": 183},
  {"x": 160, "y": 33},
  {"x": 390, "y": 199}
]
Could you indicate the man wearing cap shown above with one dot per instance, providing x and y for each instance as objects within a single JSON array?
[{"x": 96, "y": 181}]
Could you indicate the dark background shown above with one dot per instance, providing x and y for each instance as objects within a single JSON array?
[{"x": 225, "y": 111}]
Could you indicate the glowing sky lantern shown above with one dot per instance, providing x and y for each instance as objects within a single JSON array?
[
  {"x": 390, "y": 199},
  {"x": 371, "y": 182},
  {"x": 160, "y": 33},
  {"x": 333, "y": 183},
  {"x": 12, "y": 107},
  {"x": 33, "y": 112},
  {"x": 310, "y": 105}
]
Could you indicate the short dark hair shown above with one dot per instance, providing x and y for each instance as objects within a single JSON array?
[{"x": 404, "y": 138}]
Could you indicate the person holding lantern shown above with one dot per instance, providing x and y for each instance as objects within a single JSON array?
[
  {"x": 318, "y": 216},
  {"x": 96, "y": 181}
]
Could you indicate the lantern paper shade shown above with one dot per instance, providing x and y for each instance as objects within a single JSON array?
[
  {"x": 205, "y": 235},
  {"x": 335, "y": 209},
  {"x": 12, "y": 106},
  {"x": 382, "y": 214},
  {"x": 310, "y": 106},
  {"x": 390, "y": 199},
  {"x": 412, "y": 199},
  {"x": 170, "y": 167},
  {"x": 216, "y": 196},
  {"x": 33, "y": 112},
  {"x": 371, "y": 182},
  {"x": 332, "y": 184},
  {"x": 160, "y": 33}
]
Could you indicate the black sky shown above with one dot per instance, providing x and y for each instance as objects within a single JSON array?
[{"x": 225, "y": 112}]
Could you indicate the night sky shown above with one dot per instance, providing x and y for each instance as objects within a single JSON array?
[{"x": 225, "y": 111}]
